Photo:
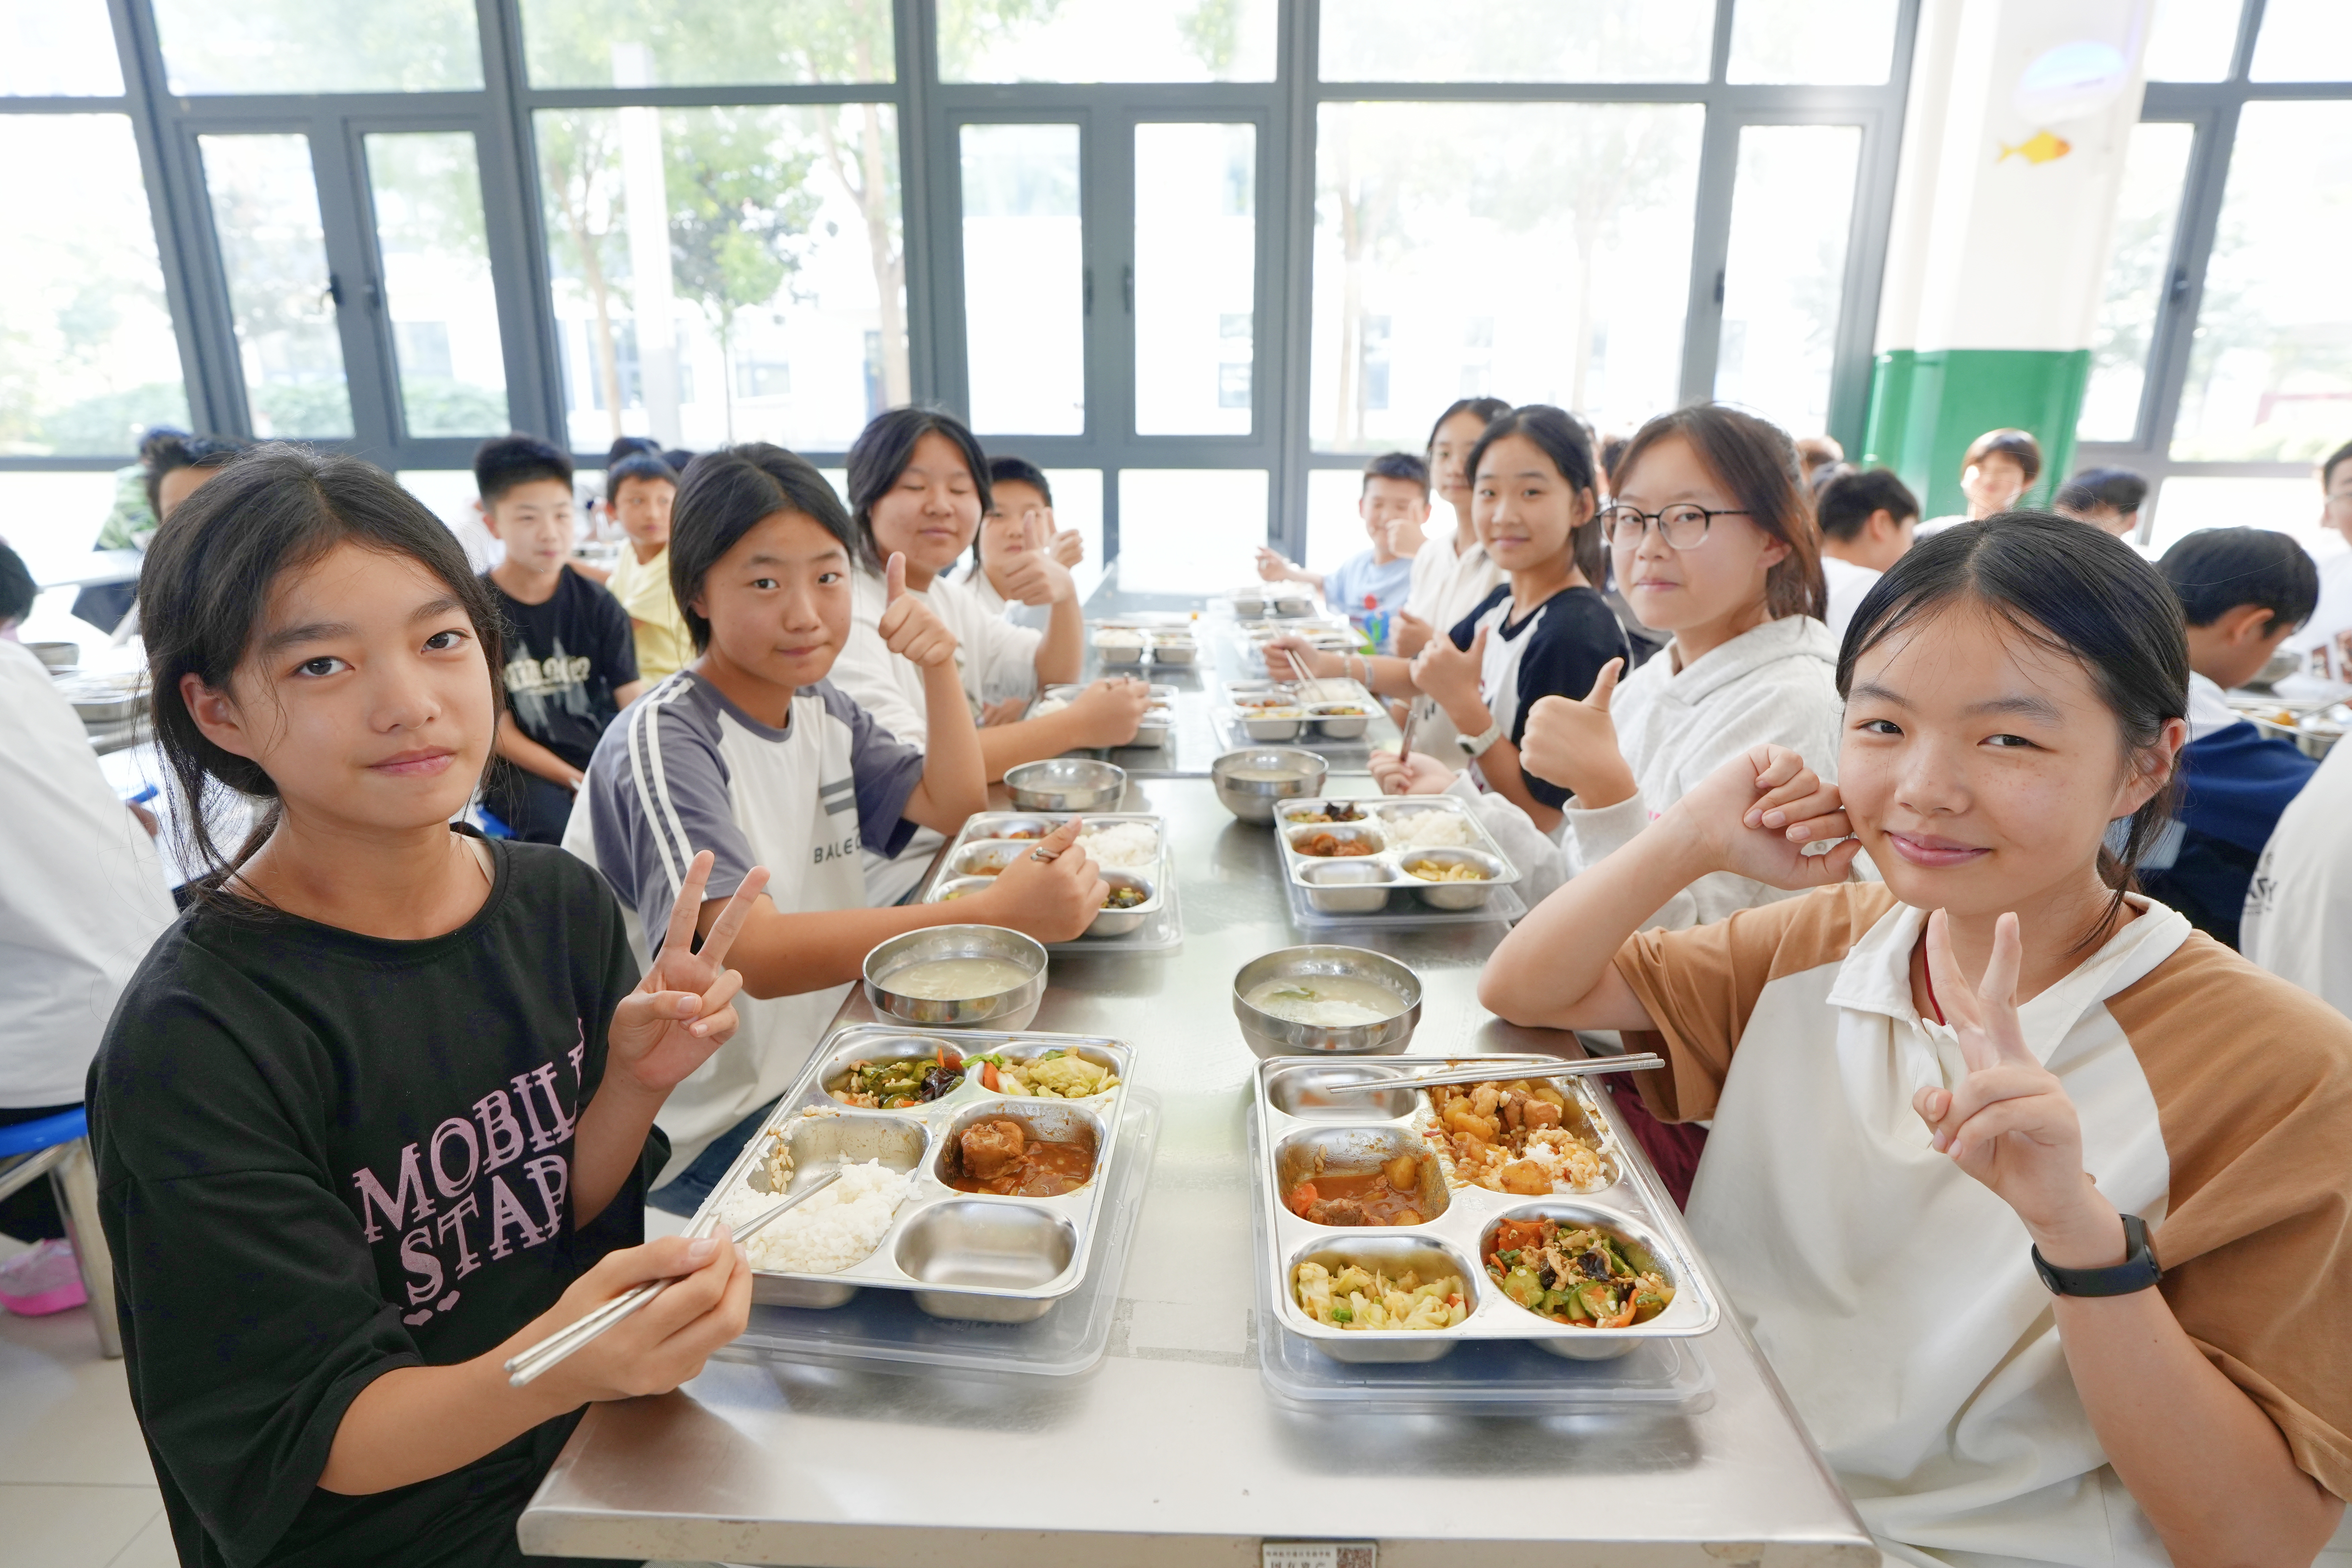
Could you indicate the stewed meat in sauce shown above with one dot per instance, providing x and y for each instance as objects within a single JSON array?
[{"x": 998, "y": 1155}]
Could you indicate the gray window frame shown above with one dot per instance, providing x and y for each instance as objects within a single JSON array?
[
  {"x": 928, "y": 112},
  {"x": 2211, "y": 110}
]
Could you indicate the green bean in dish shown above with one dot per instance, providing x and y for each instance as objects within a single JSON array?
[{"x": 899, "y": 1081}]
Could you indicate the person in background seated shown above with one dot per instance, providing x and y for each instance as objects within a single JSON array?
[
  {"x": 1998, "y": 469},
  {"x": 2324, "y": 644},
  {"x": 2242, "y": 591},
  {"x": 1452, "y": 573},
  {"x": 1393, "y": 505},
  {"x": 751, "y": 754},
  {"x": 919, "y": 485},
  {"x": 638, "y": 491},
  {"x": 2107, "y": 499},
  {"x": 2297, "y": 919},
  {"x": 1868, "y": 517},
  {"x": 172, "y": 465},
  {"x": 1815, "y": 453},
  {"x": 570, "y": 660},
  {"x": 82, "y": 899},
  {"x": 1019, "y": 523}
]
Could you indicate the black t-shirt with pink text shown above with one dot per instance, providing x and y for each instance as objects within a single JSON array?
[{"x": 322, "y": 1157}]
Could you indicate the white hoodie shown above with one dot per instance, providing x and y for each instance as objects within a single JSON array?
[{"x": 1776, "y": 683}]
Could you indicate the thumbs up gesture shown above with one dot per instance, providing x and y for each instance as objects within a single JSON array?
[
  {"x": 1451, "y": 675},
  {"x": 1572, "y": 743},
  {"x": 908, "y": 627},
  {"x": 1031, "y": 574}
]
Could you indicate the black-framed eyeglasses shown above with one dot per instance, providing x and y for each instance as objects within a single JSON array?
[{"x": 1683, "y": 526}]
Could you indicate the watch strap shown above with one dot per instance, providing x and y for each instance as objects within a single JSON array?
[
  {"x": 2138, "y": 1272},
  {"x": 1478, "y": 745}
]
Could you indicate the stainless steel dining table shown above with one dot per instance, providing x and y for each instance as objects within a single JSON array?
[{"x": 1170, "y": 1450}]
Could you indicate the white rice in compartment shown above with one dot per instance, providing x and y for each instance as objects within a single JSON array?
[
  {"x": 840, "y": 1227},
  {"x": 1129, "y": 846},
  {"x": 1435, "y": 828}
]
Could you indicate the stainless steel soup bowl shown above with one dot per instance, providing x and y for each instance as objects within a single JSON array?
[
  {"x": 1012, "y": 1008},
  {"x": 1066, "y": 783},
  {"x": 1253, "y": 800},
  {"x": 1271, "y": 1036}
]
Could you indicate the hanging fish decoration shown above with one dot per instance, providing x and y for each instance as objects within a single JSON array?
[{"x": 2042, "y": 147}]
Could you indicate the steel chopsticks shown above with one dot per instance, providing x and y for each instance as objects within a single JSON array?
[
  {"x": 1642, "y": 1062},
  {"x": 528, "y": 1365}
]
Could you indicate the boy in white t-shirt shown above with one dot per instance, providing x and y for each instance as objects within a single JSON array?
[
  {"x": 2324, "y": 643},
  {"x": 1868, "y": 518}
]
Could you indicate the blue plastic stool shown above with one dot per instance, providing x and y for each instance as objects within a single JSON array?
[{"x": 58, "y": 1147}]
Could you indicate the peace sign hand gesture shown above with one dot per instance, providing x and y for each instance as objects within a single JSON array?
[
  {"x": 682, "y": 1009},
  {"x": 2009, "y": 1123}
]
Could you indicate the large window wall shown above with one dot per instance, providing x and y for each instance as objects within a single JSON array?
[
  {"x": 2222, "y": 366},
  {"x": 1195, "y": 257}
]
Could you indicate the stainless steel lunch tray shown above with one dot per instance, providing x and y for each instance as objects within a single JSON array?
[
  {"x": 982, "y": 838},
  {"x": 971, "y": 1256},
  {"x": 1361, "y": 885},
  {"x": 1246, "y": 728},
  {"x": 1293, "y": 1113},
  {"x": 1159, "y": 718}
]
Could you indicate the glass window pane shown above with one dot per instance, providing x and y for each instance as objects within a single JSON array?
[
  {"x": 2270, "y": 372},
  {"x": 2193, "y": 40},
  {"x": 1024, "y": 279},
  {"x": 1847, "y": 41},
  {"x": 86, "y": 355},
  {"x": 1195, "y": 277},
  {"x": 1784, "y": 274},
  {"x": 2291, "y": 506},
  {"x": 1516, "y": 40},
  {"x": 1189, "y": 530},
  {"x": 57, "y": 47},
  {"x": 2139, "y": 267},
  {"x": 1335, "y": 529},
  {"x": 436, "y": 283},
  {"x": 1536, "y": 252},
  {"x": 321, "y": 46},
  {"x": 725, "y": 274},
  {"x": 1107, "y": 40},
  {"x": 266, "y": 220},
  {"x": 706, "y": 43},
  {"x": 2303, "y": 40},
  {"x": 53, "y": 523}
]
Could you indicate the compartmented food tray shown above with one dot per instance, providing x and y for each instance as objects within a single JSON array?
[
  {"x": 1159, "y": 716},
  {"x": 1305, "y": 713},
  {"x": 1351, "y": 1186},
  {"x": 959, "y": 1253},
  {"x": 1368, "y": 865},
  {"x": 1128, "y": 644},
  {"x": 886, "y": 1327},
  {"x": 995, "y": 837},
  {"x": 1487, "y": 1377}
]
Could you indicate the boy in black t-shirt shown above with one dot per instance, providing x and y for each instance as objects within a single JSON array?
[{"x": 570, "y": 660}]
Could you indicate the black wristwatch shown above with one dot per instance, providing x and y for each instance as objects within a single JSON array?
[{"x": 2138, "y": 1272}]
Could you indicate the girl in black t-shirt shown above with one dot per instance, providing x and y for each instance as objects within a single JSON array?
[
  {"x": 1545, "y": 632},
  {"x": 377, "y": 1112}
]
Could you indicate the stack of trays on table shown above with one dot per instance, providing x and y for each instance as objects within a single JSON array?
[
  {"x": 1268, "y": 599},
  {"x": 1119, "y": 644},
  {"x": 1306, "y": 712},
  {"x": 1159, "y": 719},
  {"x": 1130, "y": 846},
  {"x": 1411, "y": 860},
  {"x": 1024, "y": 1276},
  {"x": 1373, "y": 1211}
]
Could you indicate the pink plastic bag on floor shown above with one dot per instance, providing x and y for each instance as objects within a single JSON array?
[{"x": 43, "y": 1278}]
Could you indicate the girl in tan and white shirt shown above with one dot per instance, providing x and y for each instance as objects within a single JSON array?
[{"x": 1925, "y": 1092}]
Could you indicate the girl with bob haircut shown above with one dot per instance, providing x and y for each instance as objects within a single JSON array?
[
  {"x": 1544, "y": 629},
  {"x": 1450, "y": 576},
  {"x": 751, "y": 755},
  {"x": 919, "y": 485},
  {"x": 377, "y": 1112},
  {"x": 2035, "y": 1197}
]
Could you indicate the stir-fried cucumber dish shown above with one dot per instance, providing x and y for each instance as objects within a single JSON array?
[
  {"x": 1582, "y": 1275},
  {"x": 1360, "y": 1298},
  {"x": 899, "y": 1081}
]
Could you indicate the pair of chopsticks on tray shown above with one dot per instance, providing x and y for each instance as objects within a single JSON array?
[
  {"x": 1499, "y": 1071},
  {"x": 529, "y": 1364}
]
